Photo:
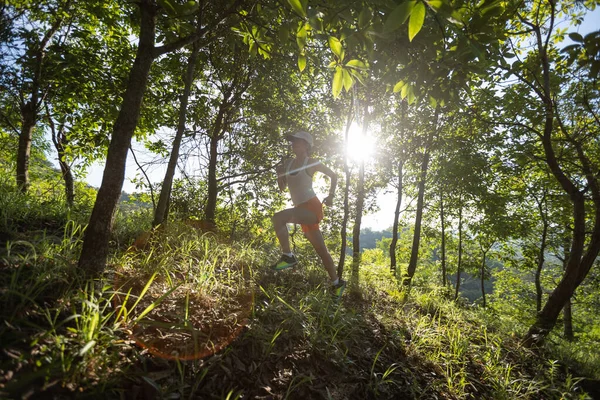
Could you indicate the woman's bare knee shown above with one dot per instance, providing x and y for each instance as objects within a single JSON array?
[{"x": 280, "y": 218}]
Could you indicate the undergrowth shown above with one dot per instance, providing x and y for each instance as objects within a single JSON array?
[{"x": 140, "y": 329}]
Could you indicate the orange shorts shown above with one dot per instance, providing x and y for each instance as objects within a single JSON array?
[{"x": 313, "y": 205}]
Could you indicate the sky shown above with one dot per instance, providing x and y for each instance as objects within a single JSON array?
[{"x": 386, "y": 199}]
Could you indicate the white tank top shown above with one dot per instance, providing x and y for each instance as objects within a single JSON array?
[{"x": 300, "y": 183}]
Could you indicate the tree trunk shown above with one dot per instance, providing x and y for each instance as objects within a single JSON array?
[
  {"x": 414, "y": 252},
  {"x": 29, "y": 119},
  {"x": 161, "y": 212},
  {"x": 211, "y": 201},
  {"x": 60, "y": 141},
  {"x": 30, "y": 110},
  {"x": 213, "y": 156},
  {"x": 360, "y": 201},
  {"x": 567, "y": 310},
  {"x": 483, "y": 278},
  {"x": 343, "y": 233},
  {"x": 443, "y": 247},
  {"x": 540, "y": 266},
  {"x": 396, "y": 218},
  {"x": 460, "y": 238},
  {"x": 95, "y": 244},
  {"x": 580, "y": 259}
]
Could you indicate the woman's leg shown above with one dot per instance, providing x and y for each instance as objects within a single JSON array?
[
  {"x": 294, "y": 216},
  {"x": 315, "y": 237}
]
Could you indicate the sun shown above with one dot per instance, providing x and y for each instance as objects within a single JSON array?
[{"x": 360, "y": 146}]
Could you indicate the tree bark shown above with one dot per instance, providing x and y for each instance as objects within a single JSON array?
[
  {"x": 29, "y": 119},
  {"x": 217, "y": 134},
  {"x": 414, "y": 253},
  {"x": 95, "y": 244},
  {"x": 483, "y": 277},
  {"x": 580, "y": 259},
  {"x": 161, "y": 213},
  {"x": 460, "y": 239},
  {"x": 567, "y": 310},
  {"x": 30, "y": 110},
  {"x": 211, "y": 201},
  {"x": 396, "y": 218},
  {"x": 60, "y": 141},
  {"x": 360, "y": 201},
  {"x": 541, "y": 257},
  {"x": 443, "y": 246},
  {"x": 343, "y": 233}
]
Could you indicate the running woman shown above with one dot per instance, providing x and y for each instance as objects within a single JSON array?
[{"x": 297, "y": 175}]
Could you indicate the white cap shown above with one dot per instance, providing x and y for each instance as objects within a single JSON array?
[{"x": 301, "y": 135}]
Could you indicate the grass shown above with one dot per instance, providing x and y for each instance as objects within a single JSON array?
[{"x": 140, "y": 330}]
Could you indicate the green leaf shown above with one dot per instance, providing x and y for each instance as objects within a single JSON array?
[
  {"x": 493, "y": 11},
  {"x": 168, "y": 6},
  {"x": 432, "y": 101},
  {"x": 356, "y": 74},
  {"x": 301, "y": 37},
  {"x": 398, "y": 86},
  {"x": 356, "y": 64},
  {"x": 336, "y": 46},
  {"x": 336, "y": 85},
  {"x": 87, "y": 347},
  {"x": 576, "y": 37},
  {"x": 417, "y": 17},
  {"x": 399, "y": 16},
  {"x": 301, "y": 62},
  {"x": 411, "y": 96},
  {"x": 404, "y": 91},
  {"x": 434, "y": 4},
  {"x": 347, "y": 80},
  {"x": 297, "y": 7}
]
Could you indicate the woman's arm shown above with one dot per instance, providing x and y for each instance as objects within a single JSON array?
[
  {"x": 280, "y": 171},
  {"x": 320, "y": 167}
]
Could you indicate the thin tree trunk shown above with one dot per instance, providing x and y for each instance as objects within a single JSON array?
[
  {"x": 211, "y": 202},
  {"x": 95, "y": 244},
  {"x": 414, "y": 253},
  {"x": 60, "y": 141},
  {"x": 212, "y": 187},
  {"x": 483, "y": 277},
  {"x": 460, "y": 239},
  {"x": 231, "y": 96},
  {"x": 343, "y": 233},
  {"x": 161, "y": 213},
  {"x": 30, "y": 110},
  {"x": 396, "y": 218},
  {"x": 29, "y": 119},
  {"x": 567, "y": 310},
  {"x": 360, "y": 200},
  {"x": 540, "y": 264},
  {"x": 443, "y": 247}
]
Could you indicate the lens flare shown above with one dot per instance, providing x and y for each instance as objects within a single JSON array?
[{"x": 360, "y": 146}]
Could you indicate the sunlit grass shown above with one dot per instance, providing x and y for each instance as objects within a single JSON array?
[{"x": 75, "y": 335}]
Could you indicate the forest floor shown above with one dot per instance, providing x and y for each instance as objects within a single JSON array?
[{"x": 67, "y": 338}]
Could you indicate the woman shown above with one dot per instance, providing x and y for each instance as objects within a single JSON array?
[{"x": 296, "y": 175}]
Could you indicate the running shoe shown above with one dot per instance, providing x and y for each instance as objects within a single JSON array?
[
  {"x": 284, "y": 262},
  {"x": 338, "y": 290}
]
